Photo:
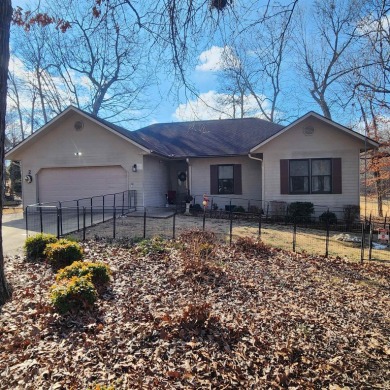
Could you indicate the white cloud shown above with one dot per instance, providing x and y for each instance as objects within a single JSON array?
[
  {"x": 213, "y": 105},
  {"x": 214, "y": 59}
]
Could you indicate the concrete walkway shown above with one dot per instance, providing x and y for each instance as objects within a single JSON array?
[{"x": 14, "y": 234}]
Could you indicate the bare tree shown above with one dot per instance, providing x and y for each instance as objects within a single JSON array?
[
  {"x": 326, "y": 51},
  {"x": 5, "y": 21}
]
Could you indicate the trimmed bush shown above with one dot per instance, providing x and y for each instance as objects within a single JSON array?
[
  {"x": 36, "y": 245},
  {"x": 328, "y": 218},
  {"x": 238, "y": 209},
  {"x": 98, "y": 272},
  {"x": 63, "y": 252},
  {"x": 300, "y": 211},
  {"x": 73, "y": 294}
]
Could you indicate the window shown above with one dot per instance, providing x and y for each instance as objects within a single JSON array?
[
  {"x": 225, "y": 179},
  {"x": 321, "y": 176},
  {"x": 299, "y": 176},
  {"x": 310, "y": 176}
]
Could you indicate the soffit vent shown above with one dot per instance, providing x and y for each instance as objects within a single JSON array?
[{"x": 78, "y": 125}]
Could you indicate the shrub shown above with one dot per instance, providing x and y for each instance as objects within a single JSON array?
[
  {"x": 351, "y": 213},
  {"x": 300, "y": 211},
  {"x": 251, "y": 246},
  {"x": 253, "y": 209},
  {"x": 328, "y": 218},
  {"x": 196, "y": 207},
  {"x": 36, "y": 245},
  {"x": 63, "y": 252},
  {"x": 73, "y": 294},
  {"x": 198, "y": 237},
  {"x": 238, "y": 209},
  {"x": 98, "y": 272},
  {"x": 154, "y": 246}
]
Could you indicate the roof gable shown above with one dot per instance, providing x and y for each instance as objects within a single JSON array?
[{"x": 371, "y": 143}]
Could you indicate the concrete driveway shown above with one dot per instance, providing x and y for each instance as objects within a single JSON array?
[{"x": 14, "y": 233}]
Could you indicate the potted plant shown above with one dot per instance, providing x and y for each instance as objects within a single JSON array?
[{"x": 188, "y": 199}]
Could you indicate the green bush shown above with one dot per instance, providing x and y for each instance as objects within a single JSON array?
[
  {"x": 328, "y": 218},
  {"x": 300, "y": 211},
  {"x": 196, "y": 207},
  {"x": 351, "y": 213},
  {"x": 98, "y": 272},
  {"x": 63, "y": 252},
  {"x": 154, "y": 246},
  {"x": 73, "y": 294},
  {"x": 238, "y": 209},
  {"x": 36, "y": 245}
]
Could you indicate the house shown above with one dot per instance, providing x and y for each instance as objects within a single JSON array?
[{"x": 78, "y": 155}]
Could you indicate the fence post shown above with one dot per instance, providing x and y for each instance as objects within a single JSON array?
[
  {"x": 144, "y": 223},
  {"x": 174, "y": 226},
  {"x": 266, "y": 215},
  {"x": 40, "y": 217},
  {"x": 123, "y": 203},
  {"x": 204, "y": 217},
  {"x": 84, "y": 218},
  {"x": 114, "y": 224},
  {"x": 231, "y": 225},
  {"x": 370, "y": 243},
  {"x": 294, "y": 235},
  {"x": 327, "y": 238},
  {"x": 61, "y": 228},
  {"x": 26, "y": 221},
  {"x": 260, "y": 225},
  {"x": 91, "y": 211},
  {"x": 103, "y": 206},
  {"x": 78, "y": 215},
  {"x": 362, "y": 244},
  {"x": 58, "y": 223}
]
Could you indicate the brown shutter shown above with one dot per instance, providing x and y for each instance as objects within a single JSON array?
[
  {"x": 237, "y": 179},
  {"x": 213, "y": 179},
  {"x": 336, "y": 176},
  {"x": 284, "y": 176}
]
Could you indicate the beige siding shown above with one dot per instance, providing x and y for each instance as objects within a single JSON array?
[
  {"x": 326, "y": 142},
  {"x": 98, "y": 147},
  {"x": 251, "y": 179},
  {"x": 156, "y": 180}
]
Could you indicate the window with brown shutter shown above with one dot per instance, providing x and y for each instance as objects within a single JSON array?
[
  {"x": 310, "y": 176},
  {"x": 225, "y": 179}
]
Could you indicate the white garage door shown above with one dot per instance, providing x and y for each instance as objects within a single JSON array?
[{"x": 59, "y": 184}]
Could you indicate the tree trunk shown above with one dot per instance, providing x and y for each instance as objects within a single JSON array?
[{"x": 5, "y": 21}]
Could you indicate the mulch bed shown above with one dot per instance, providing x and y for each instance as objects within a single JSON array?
[{"x": 207, "y": 317}]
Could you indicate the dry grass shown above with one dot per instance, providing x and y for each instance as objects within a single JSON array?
[{"x": 372, "y": 207}]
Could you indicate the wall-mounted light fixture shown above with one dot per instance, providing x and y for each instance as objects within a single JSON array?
[
  {"x": 134, "y": 168},
  {"x": 78, "y": 154}
]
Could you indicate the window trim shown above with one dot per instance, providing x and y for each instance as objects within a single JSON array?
[{"x": 310, "y": 177}]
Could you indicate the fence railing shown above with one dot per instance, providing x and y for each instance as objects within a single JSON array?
[{"x": 64, "y": 217}]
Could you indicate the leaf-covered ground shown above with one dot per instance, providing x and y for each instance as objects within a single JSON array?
[{"x": 202, "y": 316}]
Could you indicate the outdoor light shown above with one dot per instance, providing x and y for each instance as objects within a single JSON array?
[
  {"x": 78, "y": 154},
  {"x": 134, "y": 168}
]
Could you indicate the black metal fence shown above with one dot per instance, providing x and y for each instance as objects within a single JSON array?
[{"x": 355, "y": 239}]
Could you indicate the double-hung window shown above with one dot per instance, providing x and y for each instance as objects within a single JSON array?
[
  {"x": 311, "y": 176},
  {"x": 225, "y": 179}
]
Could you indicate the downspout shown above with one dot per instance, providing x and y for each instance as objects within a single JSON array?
[
  {"x": 189, "y": 178},
  {"x": 262, "y": 175}
]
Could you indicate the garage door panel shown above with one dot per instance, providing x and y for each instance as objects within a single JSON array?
[{"x": 61, "y": 184}]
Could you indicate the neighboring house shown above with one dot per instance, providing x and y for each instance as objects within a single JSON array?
[{"x": 78, "y": 155}]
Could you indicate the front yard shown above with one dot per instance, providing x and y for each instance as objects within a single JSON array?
[{"x": 198, "y": 314}]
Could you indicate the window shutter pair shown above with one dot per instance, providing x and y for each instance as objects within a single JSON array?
[
  {"x": 336, "y": 176},
  {"x": 237, "y": 179}
]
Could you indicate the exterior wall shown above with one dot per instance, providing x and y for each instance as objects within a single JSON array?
[
  {"x": 325, "y": 142},
  {"x": 251, "y": 180},
  {"x": 156, "y": 181},
  {"x": 98, "y": 147}
]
